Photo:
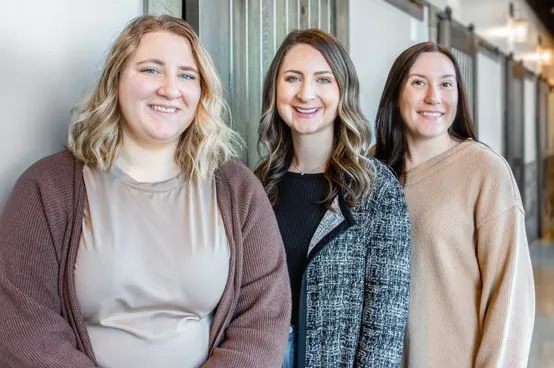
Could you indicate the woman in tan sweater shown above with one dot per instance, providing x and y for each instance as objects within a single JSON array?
[{"x": 472, "y": 294}]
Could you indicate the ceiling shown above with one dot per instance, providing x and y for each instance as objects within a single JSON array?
[{"x": 545, "y": 11}]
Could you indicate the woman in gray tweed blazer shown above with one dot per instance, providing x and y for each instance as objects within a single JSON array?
[{"x": 342, "y": 214}]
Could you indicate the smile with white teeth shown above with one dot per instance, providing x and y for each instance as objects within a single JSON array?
[
  {"x": 306, "y": 111},
  {"x": 163, "y": 109},
  {"x": 432, "y": 114}
]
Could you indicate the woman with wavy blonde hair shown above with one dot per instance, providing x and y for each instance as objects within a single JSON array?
[
  {"x": 144, "y": 244},
  {"x": 341, "y": 213}
]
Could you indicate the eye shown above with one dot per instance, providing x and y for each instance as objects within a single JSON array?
[
  {"x": 448, "y": 84},
  {"x": 292, "y": 78},
  {"x": 418, "y": 82},
  {"x": 150, "y": 70},
  {"x": 324, "y": 80},
  {"x": 187, "y": 76}
]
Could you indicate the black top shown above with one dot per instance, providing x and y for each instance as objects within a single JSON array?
[{"x": 299, "y": 211}]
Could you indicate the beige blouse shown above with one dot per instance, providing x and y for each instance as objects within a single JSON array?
[{"x": 151, "y": 267}]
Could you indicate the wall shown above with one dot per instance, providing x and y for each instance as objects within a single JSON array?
[
  {"x": 490, "y": 104},
  {"x": 51, "y": 54},
  {"x": 378, "y": 32},
  {"x": 530, "y": 121},
  {"x": 488, "y": 15}
]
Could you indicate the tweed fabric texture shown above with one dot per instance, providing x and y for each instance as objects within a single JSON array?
[{"x": 356, "y": 287}]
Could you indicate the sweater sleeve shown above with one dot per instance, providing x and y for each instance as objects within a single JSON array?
[
  {"x": 33, "y": 332},
  {"x": 508, "y": 296},
  {"x": 257, "y": 333},
  {"x": 387, "y": 278}
]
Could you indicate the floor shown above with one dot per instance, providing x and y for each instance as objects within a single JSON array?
[{"x": 542, "y": 348}]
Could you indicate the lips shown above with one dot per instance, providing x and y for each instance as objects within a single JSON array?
[
  {"x": 431, "y": 114},
  {"x": 164, "y": 109},
  {"x": 311, "y": 110}
]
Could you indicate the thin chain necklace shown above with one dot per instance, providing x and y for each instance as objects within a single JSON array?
[{"x": 294, "y": 168}]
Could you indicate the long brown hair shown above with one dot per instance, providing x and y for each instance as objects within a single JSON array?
[
  {"x": 391, "y": 143},
  {"x": 348, "y": 169}
]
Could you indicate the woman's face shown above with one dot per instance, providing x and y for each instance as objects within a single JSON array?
[
  {"x": 159, "y": 90},
  {"x": 429, "y": 98},
  {"x": 307, "y": 92}
]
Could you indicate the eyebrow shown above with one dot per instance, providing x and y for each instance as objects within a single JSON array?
[
  {"x": 161, "y": 63},
  {"x": 425, "y": 77},
  {"x": 316, "y": 73}
]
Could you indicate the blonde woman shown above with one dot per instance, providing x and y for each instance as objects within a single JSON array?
[
  {"x": 144, "y": 244},
  {"x": 342, "y": 214}
]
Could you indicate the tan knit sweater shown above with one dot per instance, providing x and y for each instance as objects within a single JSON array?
[{"x": 472, "y": 292}]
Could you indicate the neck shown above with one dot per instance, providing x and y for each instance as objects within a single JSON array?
[
  {"x": 147, "y": 164},
  {"x": 311, "y": 155},
  {"x": 420, "y": 151}
]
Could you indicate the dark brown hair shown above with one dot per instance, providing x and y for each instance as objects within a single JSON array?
[
  {"x": 391, "y": 142},
  {"x": 348, "y": 169}
]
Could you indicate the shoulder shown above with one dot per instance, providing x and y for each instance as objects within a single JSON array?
[
  {"x": 236, "y": 175},
  {"x": 46, "y": 188},
  {"x": 384, "y": 181},
  {"x": 383, "y": 173},
  {"x": 492, "y": 171},
  {"x": 488, "y": 160},
  {"x": 235, "y": 168},
  {"x": 54, "y": 170},
  {"x": 237, "y": 184},
  {"x": 490, "y": 181}
]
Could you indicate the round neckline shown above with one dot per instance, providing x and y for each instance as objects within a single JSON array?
[
  {"x": 305, "y": 176},
  {"x": 160, "y": 186}
]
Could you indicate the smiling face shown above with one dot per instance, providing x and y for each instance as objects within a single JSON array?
[
  {"x": 159, "y": 90},
  {"x": 429, "y": 99},
  {"x": 307, "y": 92}
]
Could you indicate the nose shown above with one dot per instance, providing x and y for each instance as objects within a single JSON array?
[
  {"x": 169, "y": 88},
  {"x": 432, "y": 96},
  {"x": 306, "y": 92}
]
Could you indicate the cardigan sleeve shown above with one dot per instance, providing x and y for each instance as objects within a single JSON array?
[
  {"x": 257, "y": 333},
  {"x": 387, "y": 277},
  {"x": 507, "y": 296},
  {"x": 33, "y": 332}
]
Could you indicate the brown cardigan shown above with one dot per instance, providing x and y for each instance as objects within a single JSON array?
[{"x": 40, "y": 320}]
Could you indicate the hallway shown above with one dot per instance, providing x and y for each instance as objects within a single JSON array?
[{"x": 542, "y": 349}]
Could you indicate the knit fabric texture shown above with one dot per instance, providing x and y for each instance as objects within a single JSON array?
[
  {"x": 472, "y": 293},
  {"x": 40, "y": 322}
]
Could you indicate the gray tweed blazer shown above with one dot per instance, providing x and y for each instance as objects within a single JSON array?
[{"x": 355, "y": 288}]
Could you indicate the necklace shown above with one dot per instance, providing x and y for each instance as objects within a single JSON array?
[{"x": 294, "y": 168}]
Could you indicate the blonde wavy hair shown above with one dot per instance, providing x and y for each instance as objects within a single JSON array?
[
  {"x": 349, "y": 172},
  {"x": 95, "y": 134}
]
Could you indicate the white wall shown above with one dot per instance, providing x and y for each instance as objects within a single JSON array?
[
  {"x": 490, "y": 110},
  {"x": 378, "y": 33},
  {"x": 51, "y": 53},
  {"x": 530, "y": 120}
]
